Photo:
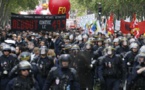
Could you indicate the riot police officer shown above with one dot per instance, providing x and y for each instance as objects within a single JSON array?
[
  {"x": 124, "y": 47},
  {"x": 24, "y": 56},
  {"x": 75, "y": 49},
  {"x": 24, "y": 80},
  {"x": 62, "y": 77},
  {"x": 129, "y": 58},
  {"x": 80, "y": 41},
  {"x": 7, "y": 62},
  {"x": 66, "y": 49},
  {"x": 116, "y": 43},
  {"x": 136, "y": 79},
  {"x": 99, "y": 48},
  {"x": 98, "y": 44},
  {"x": 111, "y": 70},
  {"x": 58, "y": 43},
  {"x": 43, "y": 63}
]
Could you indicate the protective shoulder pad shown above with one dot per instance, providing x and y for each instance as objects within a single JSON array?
[
  {"x": 53, "y": 69},
  {"x": 73, "y": 70},
  {"x": 136, "y": 58},
  {"x": 138, "y": 67},
  {"x": 117, "y": 55},
  {"x": 127, "y": 53},
  {"x": 101, "y": 59},
  {"x": 117, "y": 47}
]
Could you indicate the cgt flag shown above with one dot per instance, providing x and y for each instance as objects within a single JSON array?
[
  {"x": 135, "y": 27},
  {"x": 125, "y": 27},
  {"x": 110, "y": 25}
]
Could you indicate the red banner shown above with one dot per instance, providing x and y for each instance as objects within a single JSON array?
[
  {"x": 110, "y": 25},
  {"x": 125, "y": 27}
]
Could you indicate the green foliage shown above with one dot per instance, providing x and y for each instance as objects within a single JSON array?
[
  {"x": 8, "y": 6},
  {"x": 120, "y": 8},
  {"x": 79, "y": 8}
]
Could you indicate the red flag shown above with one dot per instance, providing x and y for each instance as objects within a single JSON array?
[
  {"x": 125, "y": 28},
  {"x": 141, "y": 26},
  {"x": 135, "y": 27},
  {"x": 110, "y": 25}
]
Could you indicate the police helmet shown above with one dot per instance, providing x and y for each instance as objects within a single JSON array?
[
  {"x": 110, "y": 50},
  {"x": 99, "y": 40},
  {"x": 24, "y": 65},
  {"x": 85, "y": 36},
  {"x": 133, "y": 45},
  {"x": 116, "y": 40},
  {"x": 140, "y": 55},
  {"x": 7, "y": 48},
  {"x": 68, "y": 46},
  {"x": 65, "y": 58},
  {"x": 13, "y": 49},
  {"x": 142, "y": 49},
  {"x": 25, "y": 56},
  {"x": 75, "y": 47},
  {"x": 132, "y": 40}
]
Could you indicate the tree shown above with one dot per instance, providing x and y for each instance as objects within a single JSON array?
[
  {"x": 8, "y": 6},
  {"x": 121, "y": 8},
  {"x": 75, "y": 6}
]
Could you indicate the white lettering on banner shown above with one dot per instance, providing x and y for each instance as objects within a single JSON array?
[
  {"x": 39, "y": 16},
  {"x": 43, "y": 26},
  {"x": 28, "y": 16},
  {"x": 58, "y": 17},
  {"x": 49, "y": 17},
  {"x": 45, "y": 22}
]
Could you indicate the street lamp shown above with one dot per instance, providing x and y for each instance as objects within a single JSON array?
[
  {"x": 99, "y": 8},
  {"x": 99, "y": 11}
]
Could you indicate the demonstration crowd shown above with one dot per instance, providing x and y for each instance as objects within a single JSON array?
[{"x": 71, "y": 60}]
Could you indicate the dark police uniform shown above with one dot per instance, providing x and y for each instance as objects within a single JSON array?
[
  {"x": 23, "y": 81},
  {"x": 110, "y": 72},
  {"x": 44, "y": 65},
  {"x": 6, "y": 64},
  {"x": 62, "y": 79},
  {"x": 19, "y": 83}
]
